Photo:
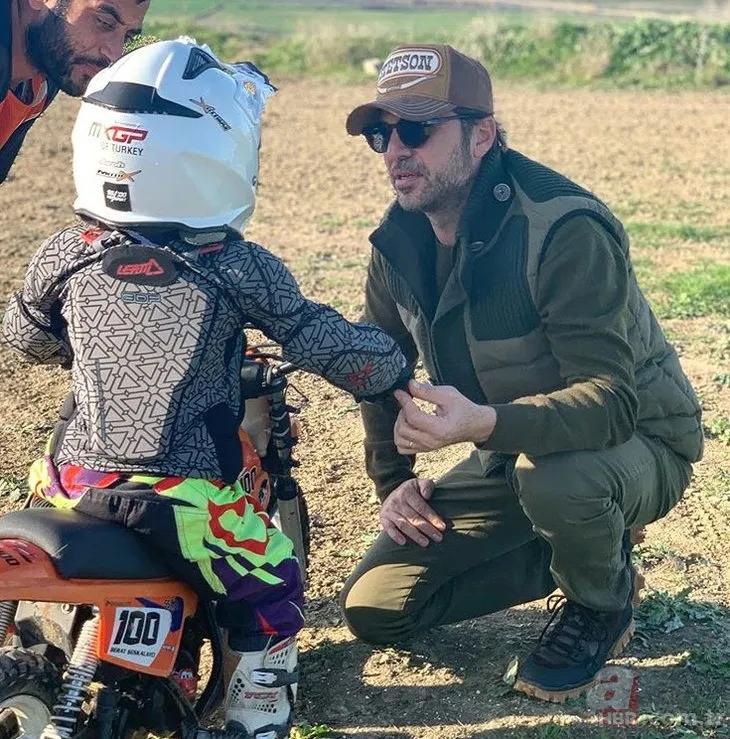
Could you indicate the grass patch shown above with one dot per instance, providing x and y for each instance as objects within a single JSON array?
[
  {"x": 278, "y": 19},
  {"x": 307, "y": 731},
  {"x": 719, "y": 429},
  {"x": 683, "y": 231},
  {"x": 718, "y": 486},
  {"x": 717, "y": 342},
  {"x": 652, "y": 554},
  {"x": 13, "y": 488},
  {"x": 661, "y": 612},
  {"x": 328, "y": 39},
  {"x": 711, "y": 662},
  {"x": 552, "y": 731},
  {"x": 704, "y": 291}
]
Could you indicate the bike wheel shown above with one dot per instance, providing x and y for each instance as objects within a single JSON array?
[{"x": 29, "y": 684}]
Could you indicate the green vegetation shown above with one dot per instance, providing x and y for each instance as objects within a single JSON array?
[
  {"x": 305, "y": 731},
  {"x": 648, "y": 555},
  {"x": 704, "y": 291},
  {"x": 654, "y": 233},
  {"x": 719, "y": 428},
  {"x": 284, "y": 18},
  {"x": 14, "y": 488},
  {"x": 663, "y": 612},
  {"x": 553, "y": 731},
  {"x": 712, "y": 662},
  {"x": 326, "y": 38}
]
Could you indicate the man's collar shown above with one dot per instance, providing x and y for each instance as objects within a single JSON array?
[{"x": 488, "y": 202}]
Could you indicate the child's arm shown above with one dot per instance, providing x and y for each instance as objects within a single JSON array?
[
  {"x": 33, "y": 324},
  {"x": 357, "y": 357},
  {"x": 33, "y": 333}
]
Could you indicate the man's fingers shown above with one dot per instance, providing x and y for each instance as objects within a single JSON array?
[
  {"x": 424, "y": 511},
  {"x": 402, "y": 397},
  {"x": 436, "y": 394},
  {"x": 399, "y": 528},
  {"x": 412, "y": 418},
  {"x": 416, "y": 530},
  {"x": 408, "y": 439},
  {"x": 426, "y": 487},
  {"x": 406, "y": 515},
  {"x": 410, "y": 446},
  {"x": 392, "y": 530}
]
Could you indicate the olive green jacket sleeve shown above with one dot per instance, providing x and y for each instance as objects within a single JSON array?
[
  {"x": 385, "y": 466},
  {"x": 582, "y": 295}
]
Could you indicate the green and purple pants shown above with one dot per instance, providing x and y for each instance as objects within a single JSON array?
[{"x": 213, "y": 536}]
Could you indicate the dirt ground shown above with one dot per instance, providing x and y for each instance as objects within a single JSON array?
[{"x": 656, "y": 158}]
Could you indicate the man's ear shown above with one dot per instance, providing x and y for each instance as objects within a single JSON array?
[{"x": 484, "y": 134}]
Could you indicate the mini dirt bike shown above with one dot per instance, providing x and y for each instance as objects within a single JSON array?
[{"x": 84, "y": 601}]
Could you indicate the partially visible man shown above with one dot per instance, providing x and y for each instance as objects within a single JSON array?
[
  {"x": 52, "y": 45},
  {"x": 515, "y": 287}
]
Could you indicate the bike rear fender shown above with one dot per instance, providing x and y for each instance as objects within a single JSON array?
[{"x": 141, "y": 620}]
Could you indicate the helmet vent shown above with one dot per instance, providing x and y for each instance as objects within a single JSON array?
[
  {"x": 198, "y": 62},
  {"x": 131, "y": 97}
]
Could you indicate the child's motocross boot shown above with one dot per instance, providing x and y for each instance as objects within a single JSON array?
[{"x": 261, "y": 679}]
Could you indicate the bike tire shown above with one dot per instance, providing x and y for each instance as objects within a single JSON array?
[{"x": 29, "y": 683}]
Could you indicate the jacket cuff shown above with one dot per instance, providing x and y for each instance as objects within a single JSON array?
[
  {"x": 386, "y": 468},
  {"x": 514, "y": 424}
]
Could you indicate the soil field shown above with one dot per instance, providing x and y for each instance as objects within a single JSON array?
[{"x": 660, "y": 160}]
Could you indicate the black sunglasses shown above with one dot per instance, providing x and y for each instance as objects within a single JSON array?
[{"x": 411, "y": 133}]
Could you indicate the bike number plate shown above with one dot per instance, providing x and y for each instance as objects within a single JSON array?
[{"x": 141, "y": 635}]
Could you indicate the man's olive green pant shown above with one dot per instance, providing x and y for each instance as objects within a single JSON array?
[{"x": 516, "y": 530}]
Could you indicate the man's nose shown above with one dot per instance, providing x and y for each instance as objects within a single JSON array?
[
  {"x": 396, "y": 148},
  {"x": 112, "y": 47}
]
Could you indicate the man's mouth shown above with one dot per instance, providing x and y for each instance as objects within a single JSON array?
[
  {"x": 91, "y": 69},
  {"x": 89, "y": 65},
  {"x": 403, "y": 178}
]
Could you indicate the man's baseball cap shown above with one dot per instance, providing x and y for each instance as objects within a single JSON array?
[{"x": 420, "y": 82}]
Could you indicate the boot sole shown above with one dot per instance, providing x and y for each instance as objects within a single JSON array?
[{"x": 560, "y": 696}]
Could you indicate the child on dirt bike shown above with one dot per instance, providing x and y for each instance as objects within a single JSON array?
[{"x": 146, "y": 301}]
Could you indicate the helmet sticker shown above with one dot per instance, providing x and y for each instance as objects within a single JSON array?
[
  {"x": 117, "y": 197},
  {"x": 211, "y": 111}
]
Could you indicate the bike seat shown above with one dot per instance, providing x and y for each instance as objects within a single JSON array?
[{"x": 83, "y": 547}]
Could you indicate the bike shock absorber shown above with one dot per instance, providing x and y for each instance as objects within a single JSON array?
[
  {"x": 75, "y": 688},
  {"x": 8, "y": 609}
]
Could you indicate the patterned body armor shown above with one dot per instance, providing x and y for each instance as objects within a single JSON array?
[{"x": 154, "y": 337}]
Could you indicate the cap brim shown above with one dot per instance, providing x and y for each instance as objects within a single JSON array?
[{"x": 411, "y": 108}]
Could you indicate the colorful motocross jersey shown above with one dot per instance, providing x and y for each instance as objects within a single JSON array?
[{"x": 154, "y": 337}]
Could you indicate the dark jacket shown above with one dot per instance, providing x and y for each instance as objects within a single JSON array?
[
  {"x": 541, "y": 317},
  {"x": 12, "y": 147}
]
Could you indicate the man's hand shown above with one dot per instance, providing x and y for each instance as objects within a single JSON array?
[
  {"x": 454, "y": 420},
  {"x": 406, "y": 515}
]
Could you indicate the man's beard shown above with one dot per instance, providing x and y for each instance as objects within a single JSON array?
[
  {"x": 443, "y": 191},
  {"x": 49, "y": 49}
]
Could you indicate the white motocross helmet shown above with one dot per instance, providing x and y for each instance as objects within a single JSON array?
[{"x": 168, "y": 137}]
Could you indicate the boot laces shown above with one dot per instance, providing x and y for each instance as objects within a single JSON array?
[{"x": 570, "y": 640}]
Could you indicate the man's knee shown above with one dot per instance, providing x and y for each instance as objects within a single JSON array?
[
  {"x": 371, "y": 610},
  {"x": 558, "y": 489}
]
